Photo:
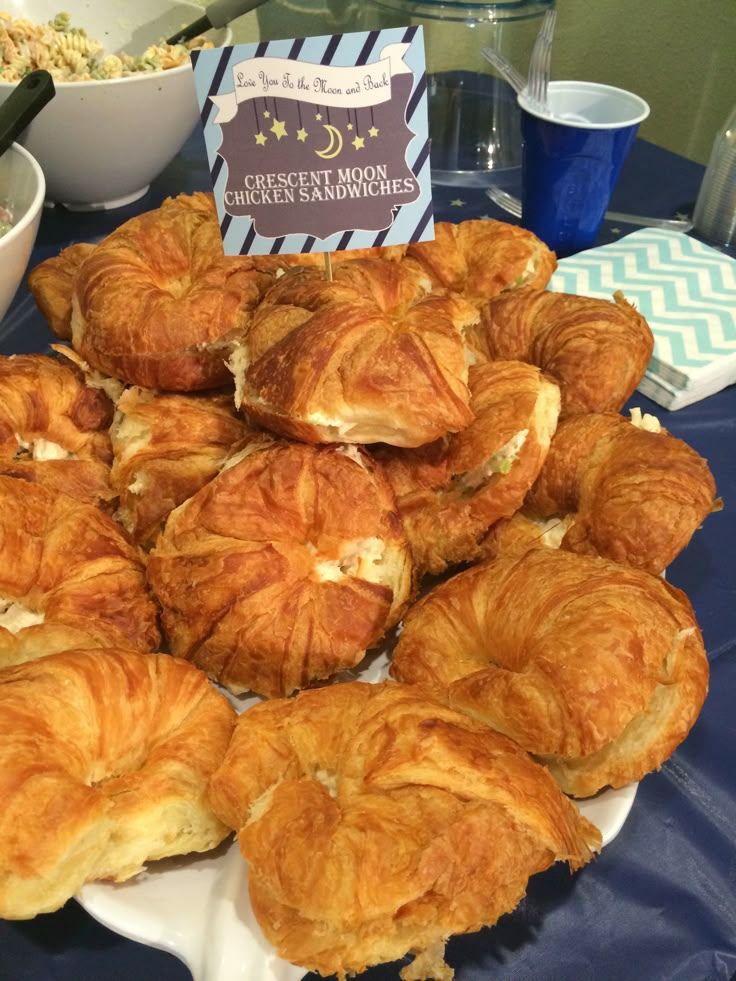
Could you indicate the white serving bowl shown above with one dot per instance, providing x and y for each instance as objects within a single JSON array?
[
  {"x": 22, "y": 189},
  {"x": 101, "y": 143}
]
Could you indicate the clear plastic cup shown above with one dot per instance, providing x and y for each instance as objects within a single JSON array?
[{"x": 714, "y": 217}]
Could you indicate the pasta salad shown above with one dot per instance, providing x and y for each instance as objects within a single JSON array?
[{"x": 70, "y": 55}]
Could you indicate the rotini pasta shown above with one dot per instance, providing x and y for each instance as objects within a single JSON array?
[{"x": 70, "y": 55}]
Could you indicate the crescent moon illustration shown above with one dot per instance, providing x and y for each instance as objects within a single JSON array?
[{"x": 334, "y": 146}]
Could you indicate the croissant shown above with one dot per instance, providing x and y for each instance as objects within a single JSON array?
[
  {"x": 69, "y": 577},
  {"x": 597, "y": 669},
  {"x": 366, "y": 358},
  {"x": 407, "y": 822},
  {"x": 633, "y": 495},
  {"x": 53, "y": 428},
  {"x": 165, "y": 448},
  {"x": 51, "y": 285},
  {"x": 104, "y": 761},
  {"x": 595, "y": 350},
  {"x": 451, "y": 491},
  {"x": 481, "y": 258},
  {"x": 284, "y": 568},
  {"x": 158, "y": 303}
]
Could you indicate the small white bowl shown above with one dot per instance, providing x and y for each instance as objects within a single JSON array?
[
  {"x": 101, "y": 143},
  {"x": 22, "y": 189}
]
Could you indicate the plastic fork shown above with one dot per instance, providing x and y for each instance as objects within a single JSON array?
[
  {"x": 500, "y": 62},
  {"x": 539, "y": 64}
]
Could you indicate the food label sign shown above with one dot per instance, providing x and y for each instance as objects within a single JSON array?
[{"x": 318, "y": 144}]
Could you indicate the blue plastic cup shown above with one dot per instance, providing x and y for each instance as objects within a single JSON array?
[{"x": 572, "y": 156}]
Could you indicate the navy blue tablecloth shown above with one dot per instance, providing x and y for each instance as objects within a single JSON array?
[{"x": 659, "y": 903}]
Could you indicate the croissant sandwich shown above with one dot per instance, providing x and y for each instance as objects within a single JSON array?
[
  {"x": 407, "y": 822},
  {"x": 596, "y": 351},
  {"x": 69, "y": 577},
  {"x": 481, "y": 258},
  {"x": 157, "y": 303},
  {"x": 596, "y": 669},
  {"x": 284, "y": 569},
  {"x": 368, "y": 357},
  {"x": 105, "y": 757},
  {"x": 628, "y": 490},
  {"x": 451, "y": 491},
  {"x": 54, "y": 428},
  {"x": 165, "y": 447}
]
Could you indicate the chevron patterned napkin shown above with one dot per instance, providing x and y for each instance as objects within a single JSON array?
[{"x": 686, "y": 291}]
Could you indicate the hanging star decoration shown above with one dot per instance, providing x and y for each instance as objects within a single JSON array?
[
  {"x": 261, "y": 139},
  {"x": 318, "y": 115},
  {"x": 373, "y": 131},
  {"x": 358, "y": 143},
  {"x": 349, "y": 126},
  {"x": 266, "y": 114},
  {"x": 279, "y": 129},
  {"x": 301, "y": 135}
]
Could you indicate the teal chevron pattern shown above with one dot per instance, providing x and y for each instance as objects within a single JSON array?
[{"x": 685, "y": 289}]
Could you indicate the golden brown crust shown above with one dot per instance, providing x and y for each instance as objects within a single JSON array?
[
  {"x": 450, "y": 492},
  {"x": 69, "y": 577},
  {"x": 54, "y": 428},
  {"x": 564, "y": 653},
  {"x": 51, "y": 283},
  {"x": 165, "y": 448},
  {"x": 481, "y": 258},
  {"x": 158, "y": 303},
  {"x": 284, "y": 569},
  {"x": 104, "y": 761},
  {"x": 595, "y": 350},
  {"x": 366, "y": 358},
  {"x": 635, "y": 496},
  {"x": 407, "y": 822}
]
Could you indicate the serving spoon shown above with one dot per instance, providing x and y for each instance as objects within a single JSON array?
[
  {"x": 216, "y": 14},
  {"x": 23, "y": 104}
]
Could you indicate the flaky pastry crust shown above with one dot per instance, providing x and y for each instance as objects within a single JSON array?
[
  {"x": 451, "y": 491},
  {"x": 54, "y": 428},
  {"x": 69, "y": 577},
  {"x": 480, "y": 258},
  {"x": 51, "y": 283},
  {"x": 595, "y": 350},
  {"x": 368, "y": 357},
  {"x": 104, "y": 761},
  {"x": 407, "y": 822},
  {"x": 631, "y": 495},
  {"x": 158, "y": 303},
  {"x": 284, "y": 568},
  {"x": 165, "y": 447},
  {"x": 595, "y": 668}
]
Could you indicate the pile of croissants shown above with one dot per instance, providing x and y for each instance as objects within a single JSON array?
[{"x": 243, "y": 474}]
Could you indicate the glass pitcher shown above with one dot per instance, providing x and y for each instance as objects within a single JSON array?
[{"x": 474, "y": 121}]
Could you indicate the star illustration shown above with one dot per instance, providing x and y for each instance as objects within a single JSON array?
[
  {"x": 349, "y": 126},
  {"x": 358, "y": 143},
  {"x": 373, "y": 131},
  {"x": 279, "y": 129},
  {"x": 266, "y": 114},
  {"x": 261, "y": 139},
  {"x": 301, "y": 135},
  {"x": 457, "y": 203},
  {"x": 318, "y": 115}
]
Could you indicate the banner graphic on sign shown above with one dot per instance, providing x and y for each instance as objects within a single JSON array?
[{"x": 318, "y": 144}]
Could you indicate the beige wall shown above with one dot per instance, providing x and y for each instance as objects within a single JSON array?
[{"x": 680, "y": 55}]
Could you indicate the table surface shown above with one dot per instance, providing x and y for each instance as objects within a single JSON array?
[{"x": 660, "y": 901}]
